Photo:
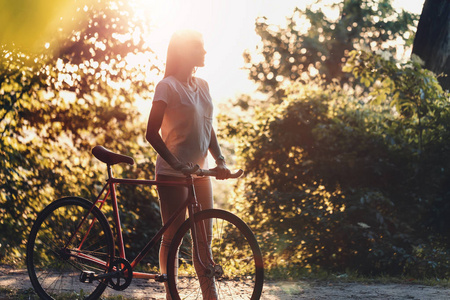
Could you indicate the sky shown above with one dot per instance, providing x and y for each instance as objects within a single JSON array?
[{"x": 228, "y": 30}]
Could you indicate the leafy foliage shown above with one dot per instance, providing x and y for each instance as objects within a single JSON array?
[
  {"x": 58, "y": 104},
  {"x": 340, "y": 179},
  {"x": 313, "y": 42},
  {"x": 346, "y": 166}
]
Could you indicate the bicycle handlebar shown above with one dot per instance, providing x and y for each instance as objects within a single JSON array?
[
  {"x": 236, "y": 174},
  {"x": 202, "y": 172},
  {"x": 112, "y": 158}
]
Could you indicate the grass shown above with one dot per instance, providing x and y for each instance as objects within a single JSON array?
[{"x": 8, "y": 293}]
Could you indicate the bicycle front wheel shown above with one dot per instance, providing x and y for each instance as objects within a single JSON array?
[
  {"x": 61, "y": 248},
  {"x": 233, "y": 271}
]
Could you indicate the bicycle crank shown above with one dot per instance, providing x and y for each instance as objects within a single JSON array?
[
  {"x": 122, "y": 270},
  {"x": 119, "y": 275}
]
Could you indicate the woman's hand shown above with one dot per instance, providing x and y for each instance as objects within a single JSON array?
[
  {"x": 222, "y": 171},
  {"x": 182, "y": 167}
]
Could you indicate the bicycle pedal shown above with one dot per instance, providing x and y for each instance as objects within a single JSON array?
[
  {"x": 87, "y": 276},
  {"x": 161, "y": 278}
]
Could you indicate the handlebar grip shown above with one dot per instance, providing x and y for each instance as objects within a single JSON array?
[
  {"x": 213, "y": 173},
  {"x": 237, "y": 174}
]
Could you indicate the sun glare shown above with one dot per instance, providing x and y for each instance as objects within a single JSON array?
[
  {"x": 168, "y": 16},
  {"x": 228, "y": 30}
]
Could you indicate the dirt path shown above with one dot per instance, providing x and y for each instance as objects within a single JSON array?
[{"x": 279, "y": 290}]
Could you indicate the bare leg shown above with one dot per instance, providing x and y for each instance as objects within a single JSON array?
[
  {"x": 171, "y": 198},
  {"x": 205, "y": 198}
]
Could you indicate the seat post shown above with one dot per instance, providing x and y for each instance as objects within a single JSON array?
[{"x": 110, "y": 173}]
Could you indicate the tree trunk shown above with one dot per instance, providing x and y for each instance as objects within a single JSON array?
[{"x": 432, "y": 40}]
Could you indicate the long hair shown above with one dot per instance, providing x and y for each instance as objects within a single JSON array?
[{"x": 177, "y": 42}]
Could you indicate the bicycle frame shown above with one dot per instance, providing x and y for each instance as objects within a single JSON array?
[{"x": 190, "y": 203}]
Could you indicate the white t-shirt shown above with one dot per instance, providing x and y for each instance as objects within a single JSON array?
[{"x": 187, "y": 123}]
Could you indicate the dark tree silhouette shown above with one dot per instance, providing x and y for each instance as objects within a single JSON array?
[{"x": 432, "y": 42}]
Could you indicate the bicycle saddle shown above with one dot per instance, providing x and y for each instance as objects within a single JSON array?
[{"x": 109, "y": 157}]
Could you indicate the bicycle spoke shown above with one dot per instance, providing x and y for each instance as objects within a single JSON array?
[
  {"x": 238, "y": 270},
  {"x": 54, "y": 269}
]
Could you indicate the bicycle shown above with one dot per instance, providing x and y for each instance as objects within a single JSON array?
[{"x": 71, "y": 248}]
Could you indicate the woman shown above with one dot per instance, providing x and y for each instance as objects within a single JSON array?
[{"x": 182, "y": 109}]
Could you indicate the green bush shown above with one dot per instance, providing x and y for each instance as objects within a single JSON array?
[{"x": 337, "y": 183}]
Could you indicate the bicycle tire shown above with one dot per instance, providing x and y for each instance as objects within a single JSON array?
[
  {"x": 53, "y": 269},
  {"x": 233, "y": 247}
]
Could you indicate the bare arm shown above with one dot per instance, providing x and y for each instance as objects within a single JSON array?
[
  {"x": 214, "y": 147},
  {"x": 215, "y": 151},
  {"x": 154, "y": 138}
]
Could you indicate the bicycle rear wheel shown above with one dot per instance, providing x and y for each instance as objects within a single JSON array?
[
  {"x": 237, "y": 271},
  {"x": 55, "y": 265}
]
